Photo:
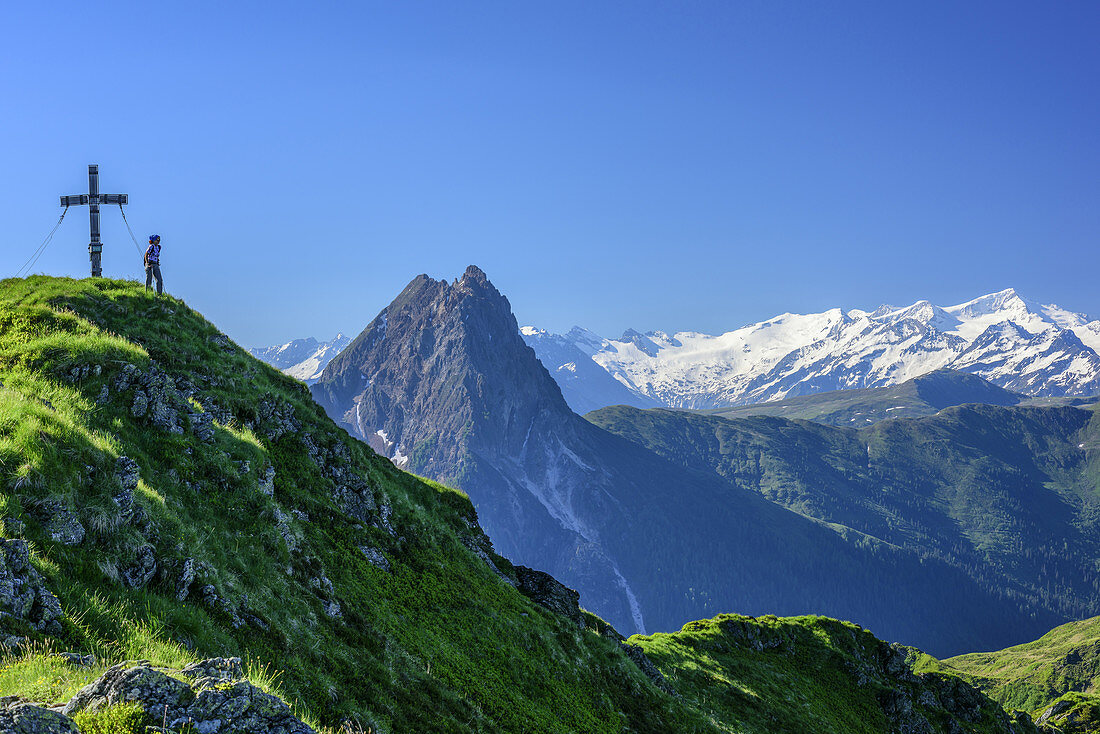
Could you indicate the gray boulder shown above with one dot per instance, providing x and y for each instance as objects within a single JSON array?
[
  {"x": 217, "y": 699},
  {"x": 142, "y": 570},
  {"x": 25, "y": 718},
  {"x": 23, "y": 592},
  {"x": 158, "y": 693},
  {"x": 60, "y": 523}
]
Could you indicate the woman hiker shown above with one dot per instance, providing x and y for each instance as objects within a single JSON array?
[{"x": 152, "y": 264}]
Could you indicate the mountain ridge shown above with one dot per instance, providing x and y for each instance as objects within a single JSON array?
[
  {"x": 1013, "y": 342},
  {"x": 303, "y": 359},
  {"x": 444, "y": 379}
]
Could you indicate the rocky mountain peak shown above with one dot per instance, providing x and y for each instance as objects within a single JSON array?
[{"x": 475, "y": 275}]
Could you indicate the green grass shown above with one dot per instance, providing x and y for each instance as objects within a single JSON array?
[
  {"x": 790, "y": 675},
  {"x": 1034, "y": 675},
  {"x": 122, "y": 718}
]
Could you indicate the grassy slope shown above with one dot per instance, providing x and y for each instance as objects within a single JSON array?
[
  {"x": 441, "y": 644},
  {"x": 1034, "y": 675},
  {"x": 798, "y": 674}
]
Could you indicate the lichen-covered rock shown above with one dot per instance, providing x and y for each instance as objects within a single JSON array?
[
  {"x": 282, "y": 524},
  {"x": 332, "y": 609},
  {"x": 356, "y": 500},
  {"x": 24, "y": 718},
  {"x": 217, "y": 699},
  {"x": 162, "y": 696},
  {"x": 144, "y": 566},
  {"x": 23, "y": 592},
  {"x": 267, "y": 482},
  {"x": 547, "y": 591},
  {"x": 127, "y": 473},
  {"x": 202, "y": 425},
  {"x": 140, "y": 406},
  {"x": 59, "y": 522},
  {"x": 217, "y": 669},
  {"x": 376, "y": 558},
  {"x": 187, "y": 576},
  {"x": 275, "y": 418}
]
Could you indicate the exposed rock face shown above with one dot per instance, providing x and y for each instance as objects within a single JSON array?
[
  {"x": 546, "y": 591},
  {"x": 216, "y": 700},
  {"x": 635, "y": 653},
  {"x": 23, "y": 592},
  {"x": 443, "y": 383},
  {"x": 127, "y": 472}
]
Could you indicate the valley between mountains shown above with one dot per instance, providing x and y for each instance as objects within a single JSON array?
[{"x": 194, "y": 541}]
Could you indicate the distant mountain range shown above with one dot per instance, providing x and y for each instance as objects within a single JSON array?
[
  {"x": 971, "y": 528},
  {"x": 302, "y": 358},
  {"x": 1017, "y": 344},
  {"x": 921, "y": 396}
]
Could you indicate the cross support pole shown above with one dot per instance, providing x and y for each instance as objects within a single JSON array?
[{"x": 93, "y": 199}]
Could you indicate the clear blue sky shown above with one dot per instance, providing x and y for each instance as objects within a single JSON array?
[{"x": 676, "y": 165}]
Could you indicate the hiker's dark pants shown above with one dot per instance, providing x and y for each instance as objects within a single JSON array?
[{"x": 153, "y": 271}]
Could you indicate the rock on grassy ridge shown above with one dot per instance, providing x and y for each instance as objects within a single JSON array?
[
  {"x": 225, "y": 516},
  {"x": 208, "y": 696}
]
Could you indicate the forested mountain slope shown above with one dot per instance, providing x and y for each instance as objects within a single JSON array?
[{"x": 1007, "y": 496}]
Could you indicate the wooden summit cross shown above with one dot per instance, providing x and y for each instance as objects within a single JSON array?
[{"x": 93, "y": 199}]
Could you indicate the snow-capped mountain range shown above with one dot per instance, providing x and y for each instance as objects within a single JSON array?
[
  {"x": 1013, "y": 342},
  {"x": 304, "y": 359}
]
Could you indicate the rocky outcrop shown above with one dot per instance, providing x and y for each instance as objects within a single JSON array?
[
  {"x": 59, "y": 522},
  {"x": 649, "y": 670},
  {"x": 19, "y": 717},
  {"x": 23, "y": 592},
  {"x": 212, "y": 697},
  {"x": 141, "y": 569},
  {"x": 548, "y": 592},
  {"x": 127, "y": 473}
]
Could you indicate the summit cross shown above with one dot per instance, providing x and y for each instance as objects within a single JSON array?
[{"x": 93, "y": 199}]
